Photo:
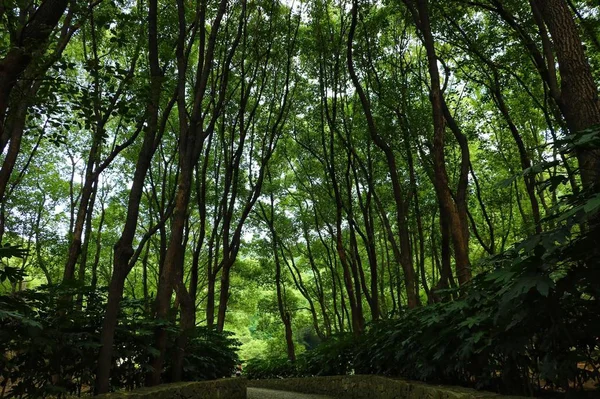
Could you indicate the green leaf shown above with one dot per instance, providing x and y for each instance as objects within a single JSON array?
[
  {"x": 592, "y": 205},
  {"x": 544, "y": 285},
  {"x": 10, "y": 251}
]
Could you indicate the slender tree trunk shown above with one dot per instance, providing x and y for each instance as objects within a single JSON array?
[
  {"x": 368, "y": 238},
  {"x": 41, "y": 262},
  {"x": 192, "y": 135},
  {"x": 123, "y": 248},
  {"x": 86, "y": 245},
  {"x": 84, "y": 208},
  {"x": 186, "y": 326},
  {"x": 405, "y": 249},
  {"x": 318, "y": 279},
  {"x": 210, "y": 299},
  {"x": 338, "y": 316},
  {"x": 188, "y": 313},
  {"x": 16, "y": 126},
  {"x": 94, "y": 279},
  {"x": 284, "y": 313},
  {"x": 461, "y": 241},
  {"x": 173, "y": 262},
  {"x": 355, "y": 262},
  {"x": 417, "y": 209},
  {"x": 298, "y": 281},
  {"x": 224, "y": 293},
  {"x": 452, "y": 211}
]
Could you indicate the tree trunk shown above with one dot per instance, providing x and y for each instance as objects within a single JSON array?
[
  {"x": 186, "y": 327},
  {"x": 86, "y": 246},
  {"x": 402, "y": 222},
  {"x": 224, "y": 293},
  {"x": 32, "y": 38},
  {"x": 579, "y": 92},
  {"x": 123, "y": 249},
  {"x": 523, "y": 157},
  {"x": 210, "y": 300},
  {"x": 318, "y": 279},
  {"x": 107, "y": 334},
  {"x": 94, "y": 279},
  {"x": 16, "y": 125},
  {"x": 452, "y": 210},
  {"x": 192, "y": 134},
  {"x": 284, "y": 313},
  {"x": 173, "y": 261}
]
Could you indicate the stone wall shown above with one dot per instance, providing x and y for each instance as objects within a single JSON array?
[
  {"x": 229, "y": 388},
  {"x": 371, "y": 387}
]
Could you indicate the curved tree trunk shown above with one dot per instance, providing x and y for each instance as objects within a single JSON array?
[
  {"x": 32, "y": 38},
  {"x": 451, "y": 209},
  {"x": 123, "y": 249},
  {"x": 401, "y": 206}
]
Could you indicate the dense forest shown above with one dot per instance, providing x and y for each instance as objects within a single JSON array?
[{"x": 408, "y": 188}]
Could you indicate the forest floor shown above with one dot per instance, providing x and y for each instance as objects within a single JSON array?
[{"x": 259, "y": 393}]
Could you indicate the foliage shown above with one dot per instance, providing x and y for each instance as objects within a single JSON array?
[
  {"x": 286, "y": 164},
  {"x": 7, "y": 272},
  {"x": 210, "y": 355},
  {"x": 51, "y": 344},
  {"x": 10, "y": 251},
  {"x": 271, "y": 367},
  {"x": 332, "y": 357},
  {"x": 531, "y": 323}
]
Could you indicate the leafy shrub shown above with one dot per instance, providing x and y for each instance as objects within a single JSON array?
[
  {"x": 514, "y": 332},
  {"x": 210, "y": 355},
  {"x": 50, "y": 346},
  {"x": 271, "y": 367},
  {"x": 531, "y": 323},
  {"x": 332, "y": 357}
]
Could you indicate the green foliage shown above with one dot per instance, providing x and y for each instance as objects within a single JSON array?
[
  {"x": 210, "y": 355},
  {"x": 271, "y": 367},
  {"x": 50, "y": 344},
  {"x": 531, "y": 323},
  {"x": 332, "y": 357},
  {"x": 9, "y": 273},
  {"x": 77, "y": 118},
  {"x": 47, "y": 348},
  {"x": 10, "y": 251}
]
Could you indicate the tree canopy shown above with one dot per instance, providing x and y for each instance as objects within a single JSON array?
[{"x": 410, "y": 187}]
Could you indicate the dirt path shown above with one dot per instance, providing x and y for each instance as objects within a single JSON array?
[{"x": 259, "y": 393}]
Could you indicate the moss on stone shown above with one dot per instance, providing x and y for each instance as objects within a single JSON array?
[
  {"x": 371, "y": 387},
  {"x": 230, "y": 388}
]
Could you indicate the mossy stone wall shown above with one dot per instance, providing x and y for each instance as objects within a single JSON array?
[
  {"x": 371, "y": 387},
  {"x": 228, "y": 388},
  {"x": 346, "y": 387}
]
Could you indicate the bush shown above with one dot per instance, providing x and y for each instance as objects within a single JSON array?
[
  {"x": 50, "y": 345},
  {"x": 271, "y": 367},
  {"x": 210, "y": 355},
  {"x": 511, "y": 333},
  {"x": 332, "y": 357},
  {"x": 532, "y": 323}
]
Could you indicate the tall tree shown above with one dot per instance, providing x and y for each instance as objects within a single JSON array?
[
  {"x": 579, "y": 97},
  {"x": 194, "y": 128},
  {"x": 123, "y": 249},
  {"x": 452, "y": 206}
]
